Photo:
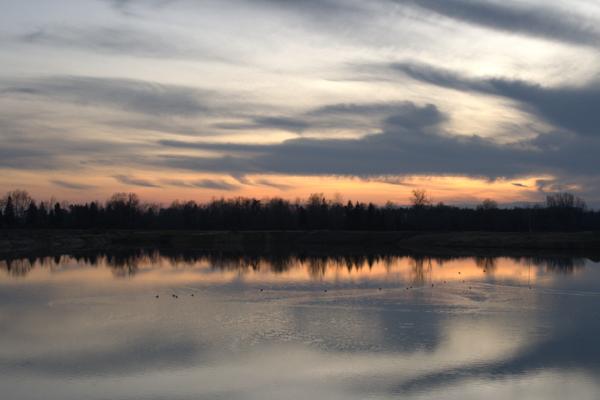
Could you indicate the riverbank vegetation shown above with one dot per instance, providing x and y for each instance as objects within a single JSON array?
[{"x": 562, "y": 212}]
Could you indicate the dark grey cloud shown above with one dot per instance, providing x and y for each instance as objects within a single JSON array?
[
  {"x": 214, "y": 184},
  {"x": 220, "y": 184},
  {"x": 353, "y": 109},
  {"x": 230, "y": 147},
  {"x": 120, "y": 4},
  {"x": 566, "y": 107},
  {"x": 161, "y": 124},
  {"x": 267, "y": 122},
  {"x": 35, "y": 139},
  {"x": 260, "y": 182},
  {"x": 325, "y": 14},
  {"x": 128, "y": 180},
  {"x": 339, "y": 116},
  {"x": 124, "y": 94},
  {"x": 19, "y": 157},
  {"x": 585, "y": 186},
  {"x": 71, "y": 185},
  {"x": 131, "y": 8},
  {"x": 413, "y": 141},
  {"x": 545, "y": 20},
  {"x": 224, "y": 164},
  {"x": 322, "y": 10},
  {"x": 390, "y": 180},
  {"x": 283, "y": 123},
  {"x": 120, "y": 40},
  {"x": 516, "y": 17},
  {"x": 307, "y": 6},
  {"x": 269, "y": 183},
  {"x": 518, "y": 184}
]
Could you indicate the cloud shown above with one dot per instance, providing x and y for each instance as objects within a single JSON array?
[
  {"x": 267, "y": 122},
  {"x": 42, "y": 139},
  {"x": 123, "y": 94},
  {"x": 566, "y": 107},
  {"x": 268, "y": 183},
  {"x": 310, "y": 9},
  {"x": 390, "y": 180},
  {"x": 71, "y": 185},
  {"x": 260, "y": 182},
  {"x": 145, "y": 354},
  {"x": 128, "y": 180},
  {"x": 562, "y": 349},
  {"x": 537, "y": 20},
  {"x": 120, "y": 5},
  {"x": 413, "y": 141},
  {"x": 332, "y": 117},
  {"x": 121, "y": 40},
  {"x": 215, "y": 184},
  {"x": 25, "y": 158}
]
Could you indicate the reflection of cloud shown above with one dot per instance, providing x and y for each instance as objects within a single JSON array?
[
  {"x": 576, "y": 349},
  {"x": 135, "y": 356},
  {"x": 347, "y": 344}
]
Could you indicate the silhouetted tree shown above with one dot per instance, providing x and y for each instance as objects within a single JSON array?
[
  {"x": 9, "y": 212},
  {"x": 42, "y": 215},
  {"x": 488, "y": 204},
  {"x": 126, "y": 211},
  {"x": 420, "y": 198},
  {"x": 564, "y": 200},
  {"x": 31, "y": 215},
  {"x": 57, "y": 217},
  {"x": 20, "y": 202}
]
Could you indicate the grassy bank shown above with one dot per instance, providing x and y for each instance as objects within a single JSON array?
[{"x": 67, "y": 241}]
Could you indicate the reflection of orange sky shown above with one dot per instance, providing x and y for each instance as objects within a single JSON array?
[
  {"x": 398, "y": 190},
  {"x": 394, "y": 270}
]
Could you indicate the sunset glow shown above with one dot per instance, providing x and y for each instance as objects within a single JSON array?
[{"x": 360, "y": 100}]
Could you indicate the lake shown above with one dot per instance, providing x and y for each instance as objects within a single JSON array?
[{"x": 146, "y": 325}]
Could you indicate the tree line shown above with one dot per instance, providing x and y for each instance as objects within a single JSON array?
[{"x": 561, "y": 212}]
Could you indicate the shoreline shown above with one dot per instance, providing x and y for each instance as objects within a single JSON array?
[{"x": 55, "y": 242}]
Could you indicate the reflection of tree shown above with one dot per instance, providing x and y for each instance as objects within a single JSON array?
[
  {"x": 127, "y": 262},
  {"x": 563, "y": 265},
  {"x": 317, "y": 267},
  {"x": 421, "y": 266},
  {"x": 487, "y": 264},
  {"x": 18, "y": 267}
]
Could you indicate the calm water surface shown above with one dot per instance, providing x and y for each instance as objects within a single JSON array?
[{"x": 299, "y": 328}]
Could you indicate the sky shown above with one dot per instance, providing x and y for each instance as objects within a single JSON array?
[{"x": 363, "y": 100}]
